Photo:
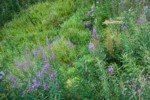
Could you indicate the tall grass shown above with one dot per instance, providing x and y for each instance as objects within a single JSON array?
[{"x": 77, "y": 50}]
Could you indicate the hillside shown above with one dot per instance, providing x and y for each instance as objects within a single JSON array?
[{"x": 76, "y": 49}]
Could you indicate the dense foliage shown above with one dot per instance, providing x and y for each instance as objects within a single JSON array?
[
  {"x": 76, "y": 49},
  {"x": 9, "y": 8}
]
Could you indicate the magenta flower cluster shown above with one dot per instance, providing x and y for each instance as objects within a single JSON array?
[
  {"x": 43, "y": 78},
  {"x": 45, "y": 75}
]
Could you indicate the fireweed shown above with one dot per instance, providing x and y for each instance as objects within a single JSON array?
[
  {"x": 94, "y": 32},
  {"x": 53, "y": 56},
  {"x": 45, "y": 77},
  {"x": 42, "y": 81},
  {"x": 35, "y": 53},
  {"x": 110, "y": 70},
  {"x": 91, "y": 47},
  {"x": 140, "y": 21},
  {"x": 14, "y": 82}
]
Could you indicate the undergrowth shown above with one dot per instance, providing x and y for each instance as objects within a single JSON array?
[{"x": 74, "y": 49}]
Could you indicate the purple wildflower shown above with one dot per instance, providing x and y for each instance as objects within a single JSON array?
[
  {"x": 53, "y": 56},
  {"x": 47, "y": 66},
  {"x": 93, "y": 32},
  {"x": 53, "y": 75},
  {"x": 36, "y": 84},
  {"x": 27, "y": 63},
  {"x": 48, "y": 46},
  {"x": 42, "y": 50},
  {"x": 110, "y": 70},
  {"x": 44, "y": 57},
  {"x": 140, "y": 21},
  {"x": 35, "y": 53},
  {"x": 91, "y": 47},
  {"x": 31, "y": 88},
  {"x": 40, "y": 75},
  {"x": 70, "y": 44},
  {"x": 44, "y": 87},
  {"x": 14, "y": 81}
]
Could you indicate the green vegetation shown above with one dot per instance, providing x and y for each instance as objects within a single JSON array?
[
  {"x": 76, "y": 49},
  {"x": 9, "y": 8}
]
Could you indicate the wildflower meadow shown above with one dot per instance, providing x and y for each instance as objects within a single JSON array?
[{"x": 74, "y": 50}]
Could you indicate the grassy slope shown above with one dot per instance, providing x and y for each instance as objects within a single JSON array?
[
  {"x": 36, "y": 26},
  {"x": 43, "y": 23},
  {"x": 52, "y": 22}
]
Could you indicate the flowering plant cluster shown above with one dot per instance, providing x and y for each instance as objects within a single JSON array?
[
  {"x": 42, "y": 77},
  {"x": 92, "y": 55}
]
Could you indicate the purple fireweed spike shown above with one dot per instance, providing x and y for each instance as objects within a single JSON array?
[
  {"x": 93, "y": 32},
  {"x": 27, "y": 63},
  {"x": 53, "y": 75},
  {"x": 42, "y": 50},
  {"x": 36, "y": 84},
  {"x": 53, "y": 56},
  {"x": 13, "y": 79},
  {"x": 48, "y": 46},
  {"x": 44, "y": 57},
  {"x": 14, "y": 82},
  {"x": 140, "y": 21},
  {"x": 30, "y": 88},
  {"x": 47, "y": 66},
  {"x": 35, "y": 53},
  {"x": 91, "y": 47},
  {"x": 110, "y": 70},
  {"x": 40, "y": 75},
  {"x": 44, "y": 87}
]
